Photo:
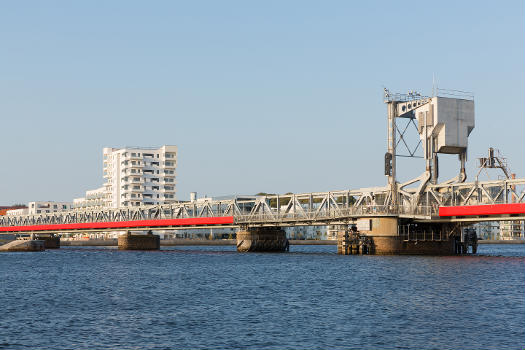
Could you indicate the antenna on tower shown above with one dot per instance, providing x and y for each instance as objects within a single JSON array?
[{"x": 433, "y": 85}]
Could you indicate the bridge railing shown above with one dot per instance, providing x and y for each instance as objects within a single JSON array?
[
  {"x": 307, "y": 208},
  {"x": 321, "y": 216}
]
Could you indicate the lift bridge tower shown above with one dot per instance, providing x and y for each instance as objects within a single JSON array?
[{"x": 444, "y": 123}]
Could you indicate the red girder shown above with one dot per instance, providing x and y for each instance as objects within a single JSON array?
[{"x": 487, "y": 209}]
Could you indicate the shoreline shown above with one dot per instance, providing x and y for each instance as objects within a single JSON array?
[
  {"x": 181, "y": 242},
  {"x": 221, "y": 242},
  {"x": 228, "y": 242},
  {"x": 495, "y": 241}
]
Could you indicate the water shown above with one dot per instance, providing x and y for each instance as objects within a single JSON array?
[{"x": 215, "y": 298}]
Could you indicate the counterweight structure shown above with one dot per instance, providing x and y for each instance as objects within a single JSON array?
[{"x": 443, "y": 123}]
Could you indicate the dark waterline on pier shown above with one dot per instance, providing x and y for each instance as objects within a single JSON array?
[{"x": 215, "y": 298}]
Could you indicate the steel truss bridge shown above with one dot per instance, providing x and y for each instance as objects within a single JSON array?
[{"x": 498, "y": 200}]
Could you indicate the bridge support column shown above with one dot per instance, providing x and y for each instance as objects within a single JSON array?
[
  {"x": 129, "y": 241},
  {"x": 262, "y": 239},
  {"x": 388, "y": 238},
  {"x": 351, "y": 242},
  {"x": 51, "y": 240}
]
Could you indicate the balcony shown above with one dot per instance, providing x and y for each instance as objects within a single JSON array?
[
  {"x": 132, "y": 190},
  {"x": 139, "y": 165},
  {"x": 129, "y": 156},
  {"x": 132, "y": 180}
]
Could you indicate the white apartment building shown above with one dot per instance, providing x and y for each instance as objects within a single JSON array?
[
  {"x": 139, "y": 176},
  {"x": 94, "y": 199}
]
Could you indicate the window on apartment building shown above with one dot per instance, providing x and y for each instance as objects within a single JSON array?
[
  {"x": 155, "y": 188},
  {"x": 64, "y": 207},
  {"x": 38, "y": 211},
  {"x": 157, "y": 196},
  {"x": 136, "y": 187},
  {"x": 133, "y": 195}
]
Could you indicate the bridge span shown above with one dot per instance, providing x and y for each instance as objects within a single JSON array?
[
  {"x": 419, "y": 216},
  {"x": 442, "y": 213}
]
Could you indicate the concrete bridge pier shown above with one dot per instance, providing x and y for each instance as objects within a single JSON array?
[
  {"x": 262, "y": 239},
  {"x": 129, "y": 241},
  {"x": 385, "y": 237},
  {"x": 51, "y": 240}
]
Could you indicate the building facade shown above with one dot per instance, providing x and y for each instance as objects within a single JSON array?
[
  {"x": 94, "y": 199},
  {"x": 139, "y": 176},
  {"x": 41, "y": 208}
]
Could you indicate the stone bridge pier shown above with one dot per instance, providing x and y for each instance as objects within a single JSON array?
[
  {"x": 262, "y": 239},
  {"x": 129, "y": 241}
]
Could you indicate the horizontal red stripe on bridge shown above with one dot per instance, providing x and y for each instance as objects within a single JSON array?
[
  {"x": 487, "y": 209},
  {"x": 221, "y": 220}
]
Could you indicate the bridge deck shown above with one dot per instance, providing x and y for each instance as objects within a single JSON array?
[{"x": 135, "y": 224}]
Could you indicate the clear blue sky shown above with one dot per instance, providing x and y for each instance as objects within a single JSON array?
[{"x": 270, "y": 96}]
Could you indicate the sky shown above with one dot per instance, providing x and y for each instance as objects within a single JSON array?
[{"x": 259, "y": 96}]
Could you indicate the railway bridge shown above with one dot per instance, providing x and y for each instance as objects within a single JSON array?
[
  {"x": 419, "y": 216},
  {"x": 438, "y": 221}
]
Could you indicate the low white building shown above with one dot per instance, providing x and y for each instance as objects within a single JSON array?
[
  {"x": 48, "y": 207},
  {"x": 41, "y": 208},
  {"x": 16, "y": 212}
]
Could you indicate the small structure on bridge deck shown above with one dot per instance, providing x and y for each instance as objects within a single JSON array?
[
  {"x": 262, "y": 239},
  {"x": 135, "y": 241}
]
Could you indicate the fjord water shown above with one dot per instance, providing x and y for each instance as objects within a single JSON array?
[{"x": 215, "y": 298}]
